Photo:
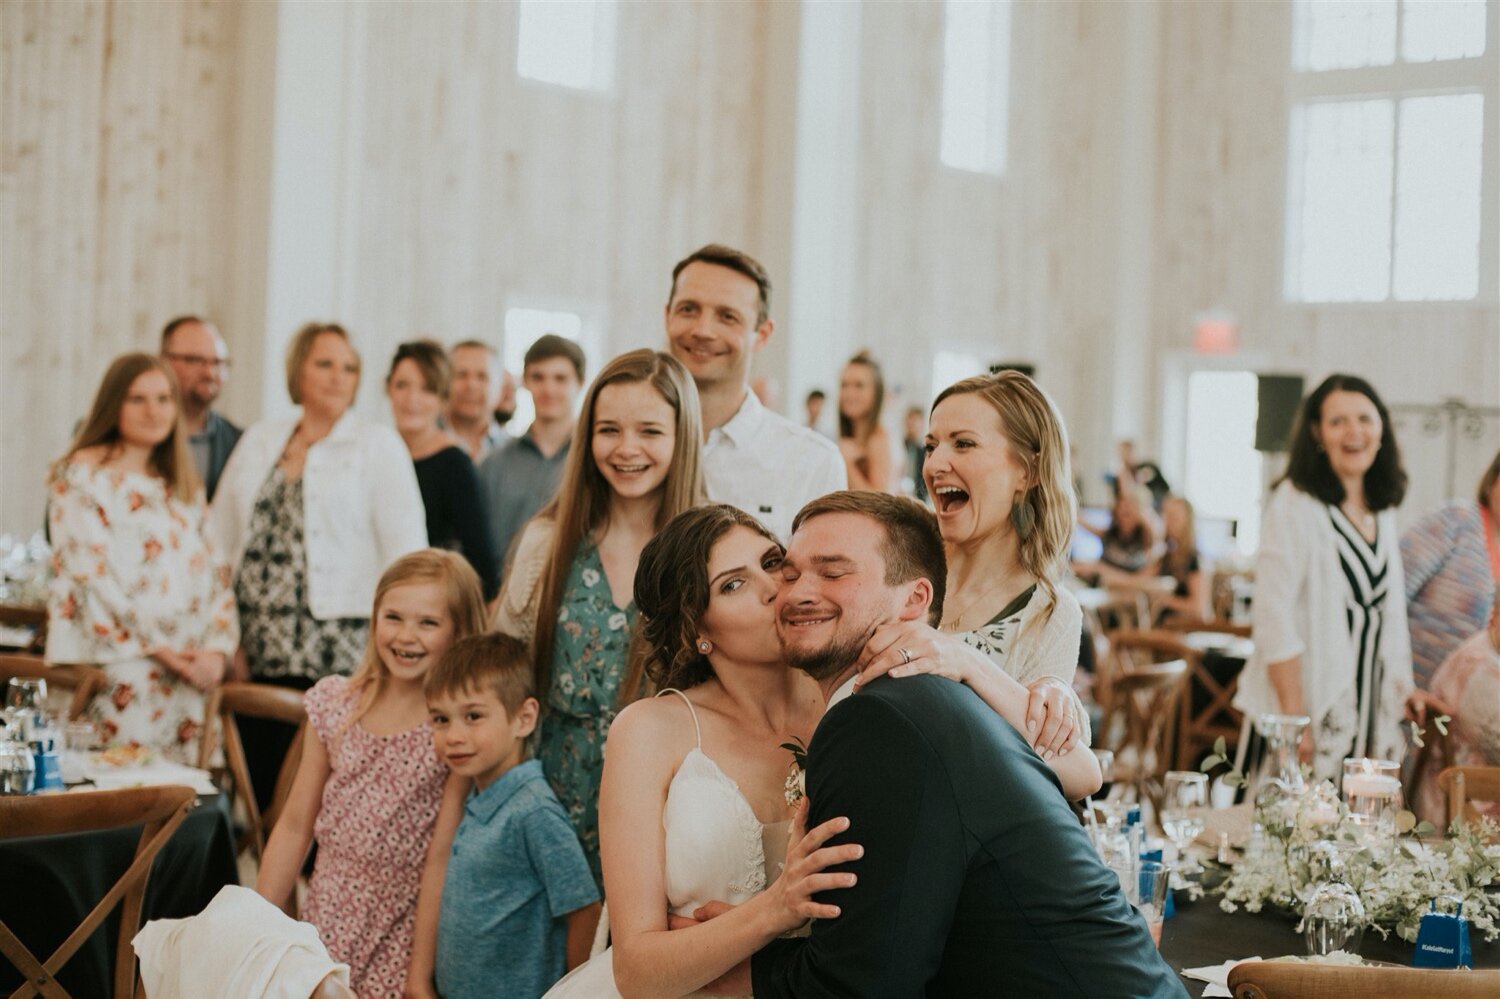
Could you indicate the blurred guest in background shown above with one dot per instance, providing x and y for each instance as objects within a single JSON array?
[
  {"x": 418, "y": 385},
  {"x": 863, "y": 440},
  {"x": 310, "y": 511},
  {"x": 522, "y": 473},
  {"x": 198, "y": 356},
  {"x": 1466, "y": 688},
  {"x": 1329, "y": 615},
  {"x": 137, "y": 588},
  {"x": 915, "y": 450},
  {"x": 470, "y": 413},
  {"x": 1129, "y": 540},
  {"x": 1182, "y": 562},
  {"x": 814, "y": 405},
  {"x": 505, "y": 405},
  {"x": 1452, "y": 561},
  {"x": 1129, "y": 473}
]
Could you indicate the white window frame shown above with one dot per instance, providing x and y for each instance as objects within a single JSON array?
[
  {"x": 1476, "y": 74},
  {"x": 606, "y": 48},
  {"x": 996, "y": 96}
]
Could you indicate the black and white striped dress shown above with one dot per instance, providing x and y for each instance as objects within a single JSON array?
[{"x": 1365, "y": 566}]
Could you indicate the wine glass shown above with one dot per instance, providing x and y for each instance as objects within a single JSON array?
[
  {"x": 25, "y": 694},
  {"x": 1184, "y": 796}
]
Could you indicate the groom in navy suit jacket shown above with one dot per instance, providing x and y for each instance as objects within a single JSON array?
[{"x": 976, "y": 880}]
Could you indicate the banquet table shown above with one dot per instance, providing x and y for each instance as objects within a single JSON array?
[
  {"x": 1202, "y": 934},
  {"x": 48, "y": 884}
]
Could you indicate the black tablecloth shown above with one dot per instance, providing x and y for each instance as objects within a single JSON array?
[
  {"x": 1201, "y": 934},
  {"x": 48, "y": 884}
]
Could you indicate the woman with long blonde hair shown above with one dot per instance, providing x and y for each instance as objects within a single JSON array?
[
  {"x": 997, "y": 470},
  {"x": 137, "y": 588},
  {"x": 632, "y": 466}
]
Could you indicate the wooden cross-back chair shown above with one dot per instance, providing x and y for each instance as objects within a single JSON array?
[
  {"x": 1130, "y": 648},
  {"x": 1309, "y": 980},
  {"x": 1461, "y": 784},
  {"x": 1145, "y": 698},
  {"x": 160, "y": 810},
  {"x": 253, "y": 700},
  {"x": 84, "y": 681}
]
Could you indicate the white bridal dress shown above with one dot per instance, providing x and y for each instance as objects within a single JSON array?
[{"x": 715, "y": 849}]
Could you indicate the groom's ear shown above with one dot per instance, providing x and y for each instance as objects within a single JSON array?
[{"x": 918, "y": 600}]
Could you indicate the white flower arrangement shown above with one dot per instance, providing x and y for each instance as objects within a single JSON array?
[{"x": 1395, "y": 881}]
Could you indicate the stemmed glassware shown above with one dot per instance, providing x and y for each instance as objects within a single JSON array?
[{"x": 1184, "y": 797}]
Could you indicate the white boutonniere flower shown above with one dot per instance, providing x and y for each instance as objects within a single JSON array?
[{"x": 796, "y": 778}]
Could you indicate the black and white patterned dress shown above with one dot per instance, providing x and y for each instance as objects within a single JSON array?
[
  {"x": 281, "y": 638},
  {"x": 1365, "y": 568}
]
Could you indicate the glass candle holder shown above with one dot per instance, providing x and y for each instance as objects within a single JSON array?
[{"x": 1372, "y": 792}]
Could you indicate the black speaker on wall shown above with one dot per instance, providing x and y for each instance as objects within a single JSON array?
[
  {"x": 1278, "y": 396},
  {"x": 1026, "y": 368}
]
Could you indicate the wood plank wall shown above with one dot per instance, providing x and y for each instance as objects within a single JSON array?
[{"x": 115, "y": 152}]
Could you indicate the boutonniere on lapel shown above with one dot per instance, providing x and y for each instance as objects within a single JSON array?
[{"x": 796, "y": 778}]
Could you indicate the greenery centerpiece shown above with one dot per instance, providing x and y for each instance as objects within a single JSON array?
[{"x": 1395, "y": 874}]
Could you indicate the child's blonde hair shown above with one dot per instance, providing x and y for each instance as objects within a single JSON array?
[{"x": 465, "y": 606}]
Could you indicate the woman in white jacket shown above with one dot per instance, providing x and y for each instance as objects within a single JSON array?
[
  {"x": 1329, "y": 616},
  {"x": 309, "y": 511}
]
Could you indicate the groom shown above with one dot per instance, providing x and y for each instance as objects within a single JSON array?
[{"x": 976, "y": 879}]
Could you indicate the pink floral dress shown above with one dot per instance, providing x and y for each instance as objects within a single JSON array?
[
  {"x": 133, "y": 571},
  {"x": 379, "y": 808}
]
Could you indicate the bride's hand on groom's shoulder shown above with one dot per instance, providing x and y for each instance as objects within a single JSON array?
[
  {"x": 805, "y": 873},
  {"x": 1052, "y": 724},
  {"x": 907, "y": 648}
]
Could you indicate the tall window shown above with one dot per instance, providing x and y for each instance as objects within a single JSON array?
[
  {"x": 976, "y": 84},
  {"x": 1385, "y": 150},
  {"x": 567, "y": 42}
]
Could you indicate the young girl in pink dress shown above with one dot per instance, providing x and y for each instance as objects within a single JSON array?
[{"x": 370, "y": 784}]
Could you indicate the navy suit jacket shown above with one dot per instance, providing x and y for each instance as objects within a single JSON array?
[
  {"x": 222, "y": 437},
  {"x": 977, "y": 879}
]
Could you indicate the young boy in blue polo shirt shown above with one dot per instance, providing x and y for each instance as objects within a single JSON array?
[{"x": 519, "y": 904}]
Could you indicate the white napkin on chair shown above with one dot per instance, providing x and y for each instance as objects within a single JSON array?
[
  {"x": 1216, "y": 975},
  {"x": 239, "y": 946}
]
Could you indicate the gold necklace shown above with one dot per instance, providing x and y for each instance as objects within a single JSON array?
[{"x": 985, "y": 594}]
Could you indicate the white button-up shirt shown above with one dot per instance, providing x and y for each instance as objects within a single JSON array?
[{"x": 769, "y": 466}]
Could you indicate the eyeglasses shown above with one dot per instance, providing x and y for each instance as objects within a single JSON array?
[{"x": 221, "y": 363}]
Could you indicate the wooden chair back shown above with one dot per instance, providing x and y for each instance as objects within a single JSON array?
[
  {"x": 160, "y": 810},
  {"x": 253, "y": 700},
  {"x": 84, "y": 681},
  {"x": 35, "y": 618},
  {"x": 1461, "y": 784},
  {"x": 1131, "y": 648},
  {"x": 1218, "y": 626},
  {"x": 1298, "y": 980},
  {"x": 1146, "y": 696}
]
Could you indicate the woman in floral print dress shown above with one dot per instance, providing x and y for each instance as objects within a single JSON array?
[
  {"x": 632, "y": 467},
  {"x": 137, "y": 589}
]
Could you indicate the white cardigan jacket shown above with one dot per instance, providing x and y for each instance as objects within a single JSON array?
[
  {"x": 361, "y": 508},
  {"x": 1299, "y": 611}
]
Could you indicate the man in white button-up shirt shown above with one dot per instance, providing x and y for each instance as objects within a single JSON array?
[{"x": 718, "y": 315}]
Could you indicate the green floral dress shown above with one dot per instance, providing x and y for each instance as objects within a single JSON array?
[{"x": 588, "y": 662}]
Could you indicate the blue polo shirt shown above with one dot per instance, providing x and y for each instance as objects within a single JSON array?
[{"x": 516, "y": 871}]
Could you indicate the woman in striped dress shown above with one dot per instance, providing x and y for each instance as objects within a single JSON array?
[{"x": 1330, "y": 629}]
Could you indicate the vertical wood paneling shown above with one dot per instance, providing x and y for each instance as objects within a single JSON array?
[{"x": 114, "y": 166}]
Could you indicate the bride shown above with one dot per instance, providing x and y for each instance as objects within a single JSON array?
[{"x": 694, "y": 806}]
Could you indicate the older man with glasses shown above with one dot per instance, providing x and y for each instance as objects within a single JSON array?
[{"x": 196, "y": 352}]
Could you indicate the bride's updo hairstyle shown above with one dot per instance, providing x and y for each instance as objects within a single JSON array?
[{"x": 671, "y": 594}]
